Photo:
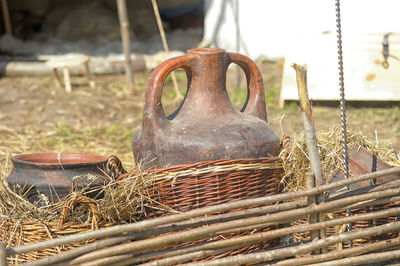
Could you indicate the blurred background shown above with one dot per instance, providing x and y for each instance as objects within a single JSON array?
[{"x": 41, "y": 38}]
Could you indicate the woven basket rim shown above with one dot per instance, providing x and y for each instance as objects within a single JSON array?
[{"x": 221, "y": 165}]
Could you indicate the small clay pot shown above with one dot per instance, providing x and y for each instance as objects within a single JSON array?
[{"x": 55, "y": 174}]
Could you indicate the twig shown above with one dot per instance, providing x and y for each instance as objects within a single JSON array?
[{"x": 165, "y": 45}]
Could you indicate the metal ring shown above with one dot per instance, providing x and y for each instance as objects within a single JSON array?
[{"x": 385, "y": 64}]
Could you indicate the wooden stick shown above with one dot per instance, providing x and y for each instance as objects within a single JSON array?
[
  {"x": 177, "y": 226},
  {"x": 126, "y": 41},
  {"x": 364, "y": 248},
  {"x": 212, "y": 230},
  {"x": 311, "y": 140},
  {"x": 165, "y": 45},
  {"x": 186, "y": 257},
  {"x": 306, "y": 112},
  {"x": 364, "y": 259},
  {"x": 301, "y": 249},
  {"x": 57, "y": 78},
  {"x": 380, "y": 187},
  {"x": 6, "y": 16},
  {"x": 374, "y": 203},
  {"x": 3, "y": 255},
  {"x": 89, "y": 75},
  {"x": 143, "y": 225},
  {"x": 312, "y": 200},
  {"x": 67, "y": 80},
  {"x": 260, "y": 237}
]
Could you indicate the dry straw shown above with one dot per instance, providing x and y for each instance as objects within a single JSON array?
[{"x": 297, "y": 163}]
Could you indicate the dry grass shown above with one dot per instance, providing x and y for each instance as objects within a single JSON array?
[{"x": 330, "y": 148}]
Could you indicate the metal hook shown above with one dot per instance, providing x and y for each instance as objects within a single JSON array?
[{"x": 385, "y": 50}]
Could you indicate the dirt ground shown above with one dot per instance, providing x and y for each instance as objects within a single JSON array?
[{"x": 37, "y": 116}]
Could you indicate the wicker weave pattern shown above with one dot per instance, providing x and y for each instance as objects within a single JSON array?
[
  {"x": 17, "y": 233},
  {"x": 219, "y": 182}
]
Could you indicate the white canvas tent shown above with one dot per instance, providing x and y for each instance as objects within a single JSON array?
[{"x": 304, "y": 32}]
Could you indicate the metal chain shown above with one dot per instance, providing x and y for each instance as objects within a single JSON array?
[{"x": 342, "y": 103}]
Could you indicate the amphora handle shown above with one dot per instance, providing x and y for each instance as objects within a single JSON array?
[
  {"x": 255, "y": 102},
  {"x": 154, "y": 116}
]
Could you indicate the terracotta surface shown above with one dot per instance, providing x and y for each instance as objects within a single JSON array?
[
  {"x": 52, "y": 174},
  {"x": 206, "y": 126}
]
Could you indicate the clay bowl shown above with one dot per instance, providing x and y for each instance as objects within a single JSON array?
[{"x": 55, "y": 174}]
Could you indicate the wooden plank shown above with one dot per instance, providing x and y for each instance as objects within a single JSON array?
[{"x": 364, "y": 76}]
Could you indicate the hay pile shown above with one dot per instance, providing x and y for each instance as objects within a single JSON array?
[
  {"x": 125, "y": 200},
  {"x": 296, "y": 161}
]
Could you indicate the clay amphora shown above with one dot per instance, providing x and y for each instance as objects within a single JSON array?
[{"x": 206, "y": 126}]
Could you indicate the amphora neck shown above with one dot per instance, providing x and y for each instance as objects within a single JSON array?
[{"x": 207, "y": 89}]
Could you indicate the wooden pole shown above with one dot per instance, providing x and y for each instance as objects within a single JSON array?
[
  {"x": 311, "y": 140},
  {"x": 312, "y": 200},
  {"x": 143, "y": 225},
  {"x": 165, "y": 45},
  {"x": 6, "y": 16},
  {"x": 67, "y": 80},
  {"x": 306, "y": 111},
  {"x": 126, "y": 42},
  {"x": 3, "y": 254}
]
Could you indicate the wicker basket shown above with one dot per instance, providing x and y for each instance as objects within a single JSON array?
[
  {"x": 210, "y": 183},
  {"x": 17, "y": 233},
  {"x": 180, "y": 188}
]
